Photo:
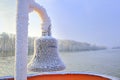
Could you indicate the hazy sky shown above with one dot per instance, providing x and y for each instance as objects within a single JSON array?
[{"x": 92, "y": 21}]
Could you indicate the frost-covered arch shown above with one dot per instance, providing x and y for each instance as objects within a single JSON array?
[{"x": 46, "y": 22}]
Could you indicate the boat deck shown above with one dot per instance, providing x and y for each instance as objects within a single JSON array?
[{"x": 66, "y": 77}]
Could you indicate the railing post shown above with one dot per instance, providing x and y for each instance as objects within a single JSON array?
[{"x": 21, "y": 40}]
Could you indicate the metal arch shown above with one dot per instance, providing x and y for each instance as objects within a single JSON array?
[{"x": 46, "y": 22}]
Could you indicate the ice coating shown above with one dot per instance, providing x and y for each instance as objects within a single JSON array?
[
  {"x": 21, "y": 48},
  {"x": 46, "y": 22},
  {"x": 23, "y": 9},
  {"x": 46, "y": 57}
]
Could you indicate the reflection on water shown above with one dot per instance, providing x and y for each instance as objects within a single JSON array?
[{"x": 102, "y": 62}]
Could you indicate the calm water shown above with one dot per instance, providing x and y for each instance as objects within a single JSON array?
[{"x": 101, "y": 62}]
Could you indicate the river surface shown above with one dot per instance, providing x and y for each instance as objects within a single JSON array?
[{"x": 102, "y": 62}]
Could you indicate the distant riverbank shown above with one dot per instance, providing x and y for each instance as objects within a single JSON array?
[{"x": 7, "y": 45}]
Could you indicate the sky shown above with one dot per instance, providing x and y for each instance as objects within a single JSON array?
[{"x": 93, "y": 21}]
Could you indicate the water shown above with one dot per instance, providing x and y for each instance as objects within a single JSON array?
[{"x": 101, "y": 62}]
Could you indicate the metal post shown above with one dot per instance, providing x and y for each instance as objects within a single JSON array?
[{"x": 21, "y": 40}]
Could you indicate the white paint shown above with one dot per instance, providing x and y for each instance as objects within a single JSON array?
[{"x": 21, "y": 40}]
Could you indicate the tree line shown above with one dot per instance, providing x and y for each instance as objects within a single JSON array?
[
  {"x": 7, "y": 45},
  {"x": 71, "y": 45}
]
